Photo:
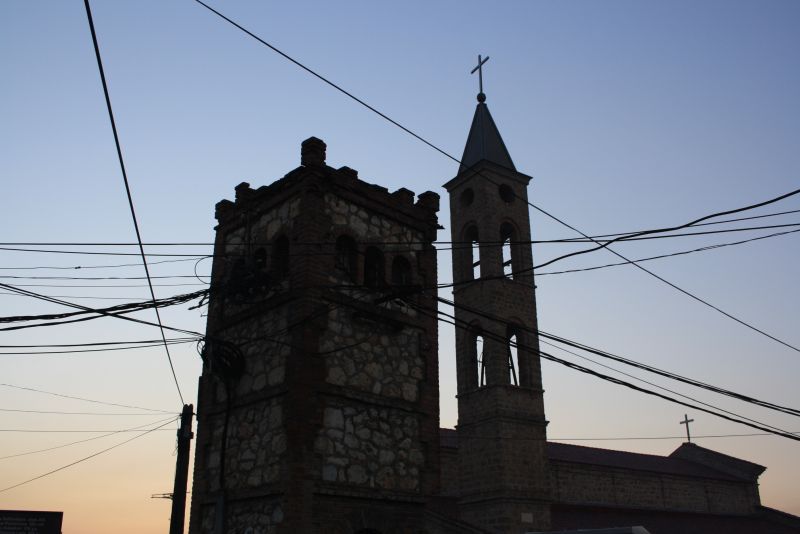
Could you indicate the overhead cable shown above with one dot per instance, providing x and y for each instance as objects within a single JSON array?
[
  {"x": 130, "y": 197},
  {"x": 83, "y": 399},
  {"x": 560, "y": 221},
  {"x": 630, "y": 362},
  {"x": 619, "y": 382},
  {"x": 143, "y": 433},
  {"x": 37, "y": 451}
]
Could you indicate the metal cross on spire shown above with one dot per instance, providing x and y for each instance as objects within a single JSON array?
[
  {"x": 686, "y": 422},
  {"x": 479, "y": 68}
]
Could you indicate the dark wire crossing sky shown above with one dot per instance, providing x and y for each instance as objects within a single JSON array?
[{"x": 628, "y": 116}]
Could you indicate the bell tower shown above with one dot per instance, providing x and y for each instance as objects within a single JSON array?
[{"x": 503, "y": 466}]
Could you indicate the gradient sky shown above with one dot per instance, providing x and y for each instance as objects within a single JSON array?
[{"x": 628, "y": 114}]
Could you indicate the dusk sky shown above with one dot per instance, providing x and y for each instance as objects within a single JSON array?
[{"x": 629, "y": 115}]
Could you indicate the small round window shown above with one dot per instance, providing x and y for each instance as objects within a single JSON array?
[
  {"x": 467, "y": 197},
  {"x": 506, "y": 193}
]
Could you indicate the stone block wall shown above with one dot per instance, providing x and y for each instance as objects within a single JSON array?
[
  {"x": 256, "y": 445},
  {"x": 574, "y": 483},
  {"x": 257, "y": 516},
  {"x": 370, "y": 447},
  {"x": 387, "y": 363}
]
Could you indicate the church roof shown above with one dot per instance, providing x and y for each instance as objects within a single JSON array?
[
  {"x": 484, "y": 141},
  {"x": 565, "y": 452},
  {"x": 632, "y": 460}
]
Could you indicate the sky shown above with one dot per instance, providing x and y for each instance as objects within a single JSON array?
[{"x": 628, "y": 115}]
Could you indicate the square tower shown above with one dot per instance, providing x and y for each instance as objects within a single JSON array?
[{"x": 318, "y": 405}]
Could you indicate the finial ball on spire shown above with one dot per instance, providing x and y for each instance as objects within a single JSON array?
[{"x": 481, "y": 97}]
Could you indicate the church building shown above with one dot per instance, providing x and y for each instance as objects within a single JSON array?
[{"x": 318, "y": 408}]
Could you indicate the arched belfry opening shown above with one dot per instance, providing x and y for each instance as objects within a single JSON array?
[
  {"x": 472, "y": 256},
  {"x": 480, "y": 361},
  {"x": 508, "y": 238},
  {"x": 513, "y": 353}
]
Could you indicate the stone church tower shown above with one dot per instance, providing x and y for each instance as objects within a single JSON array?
[
  {"x": 318, "y": 405},
  {"x": 503, "y": 469}
]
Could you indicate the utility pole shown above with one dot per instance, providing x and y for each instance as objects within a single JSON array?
[{"x": 185, "y": 436}]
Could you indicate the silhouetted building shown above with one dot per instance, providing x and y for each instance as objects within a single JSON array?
[{"x": 318, "y": 405}]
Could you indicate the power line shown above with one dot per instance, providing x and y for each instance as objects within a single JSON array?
[
  {"x": 94, "y": 344},
  {"x": 209, "y": 243},
  {"x": 74, "y": 413},
  {"x": 661, "y": 256},
  {"x": 83, "y": 297},
  {"x": 449, "y": 156},
  {"x": 91, "y": 253},
  {"x": 130, "y": 197},
  {"x": 80, "y": 351},
  {"x": 85, "y": 286},
  {"x": 725, "y": 221},
  {"x": 27, "y": 453},
  {"x": 656, "y": 385},
  {"x": 674, "y": 376},
  {"x": 628, "y": 361},
  {"x": 119, "y": 308},
  {"x": 627, "y": 438},
  {"x": 634, "y": 387},
  {"x": 645, "y": 234},
  {"x": 15, "y": 277},
  {"x": 82, "y": 267},
  {"x": 733, "y": 414},
  {"x": 86, "y": 308},
  {"x": 442, "y": 285},
  {"x": 630, "y": 237},
  {"x": 144, "y": 433},
  {"x": 60, "y": 431},
  {"x": 498, "y": 243},
  {"x": 681, "y": 253},
  {"x": 72, "y": 397}
]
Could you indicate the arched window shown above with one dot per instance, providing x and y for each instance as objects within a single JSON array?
[
  {"x": 401, "y": 271},
  {"x": 260, "y": 259},
  {"x": 280, "y": 257},
  {"x": 471, "y": 237},
  {"x": 507, "y": 237},
  {"x": 373, "y": 268},
  {"x": 513, "y": 355},
  {"x": 478, "y": 342},
  {"x": 347, "y": 255}
]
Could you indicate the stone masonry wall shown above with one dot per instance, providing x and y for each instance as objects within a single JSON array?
[
  {"x": 264, "y": 351},
  {"x": 256, "y": 446},
  {"x": 381, "y": 363},
  {"x": 370, "y": 447},
  {"x": 590, "y": 484},
  {"x": 365, "y": 225},
  {"x": 249, "y": 517}
]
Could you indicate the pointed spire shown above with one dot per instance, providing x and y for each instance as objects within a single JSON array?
[{"x": 484, "y": 141}]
